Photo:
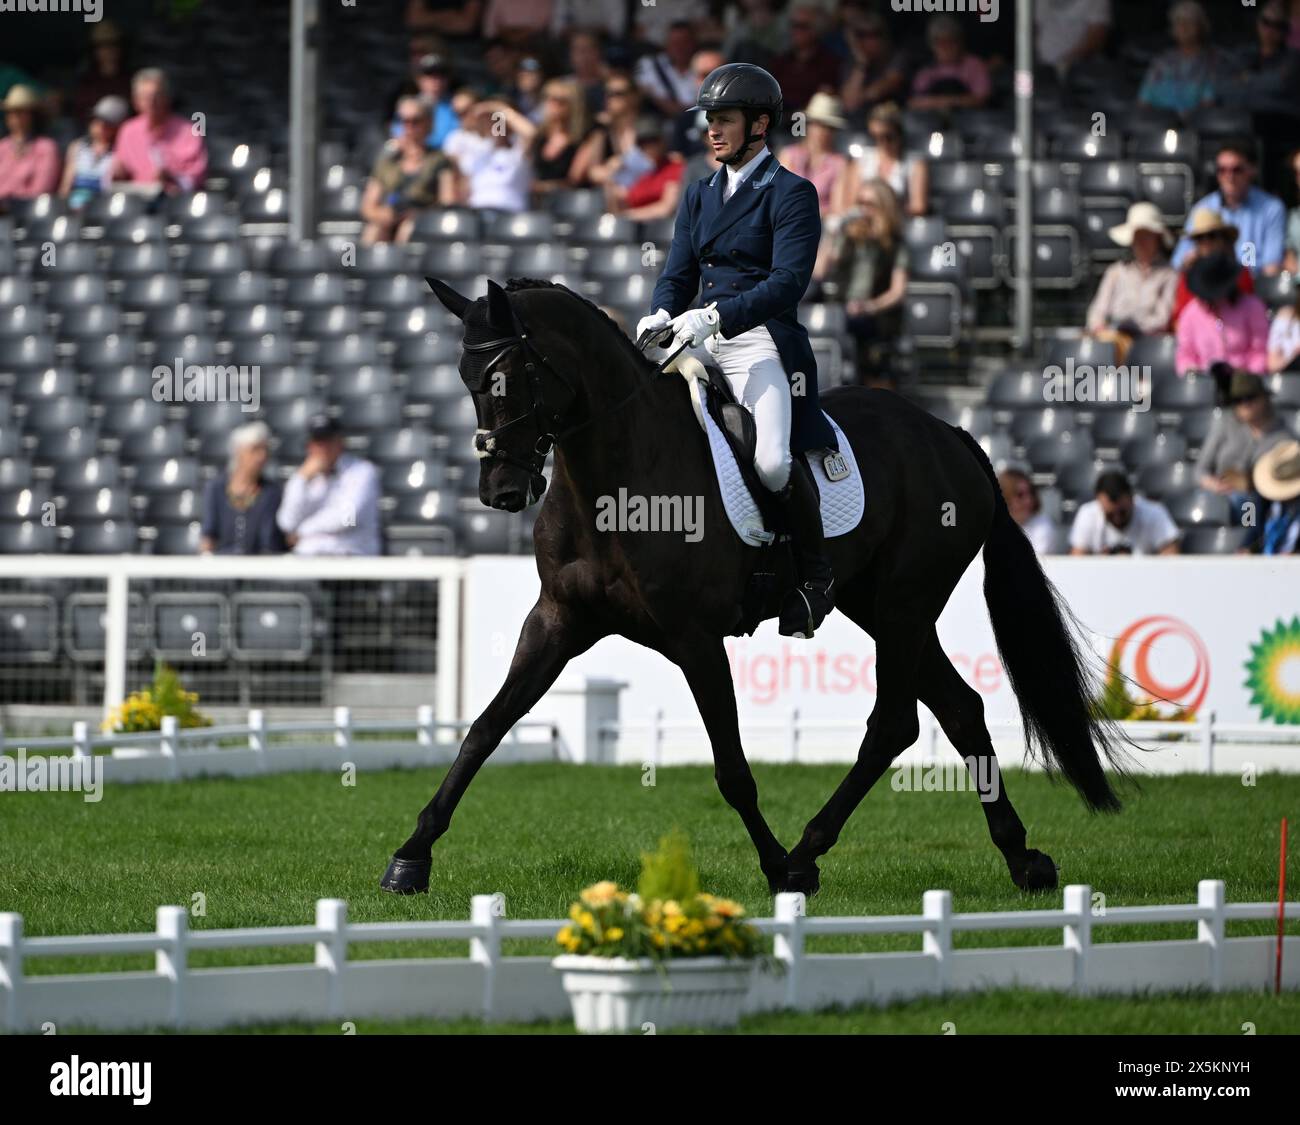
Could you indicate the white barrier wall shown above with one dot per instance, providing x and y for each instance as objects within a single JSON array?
[{"x": 1208, "y": 634}]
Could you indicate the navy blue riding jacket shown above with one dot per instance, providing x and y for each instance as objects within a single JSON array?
[{"x": 754, "y": 256}]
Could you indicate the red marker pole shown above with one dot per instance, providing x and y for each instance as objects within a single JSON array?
[{"x": 1281, "y": 912}]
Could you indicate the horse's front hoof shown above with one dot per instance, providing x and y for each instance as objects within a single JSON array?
[
  {"x": 407, "y": 876},
  {"x": 776, "y": 875},
  {"x": 807, "y": 880},
  {"x": 1036, "y": 873}
]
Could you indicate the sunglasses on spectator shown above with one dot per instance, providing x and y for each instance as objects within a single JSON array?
[
  {"x": 1230, "y": 169},
  {"x": 617, "y": 91},
  {"x": 412, "y": 120}
]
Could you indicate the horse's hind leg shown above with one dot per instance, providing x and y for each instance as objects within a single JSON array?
[
  {"x": 550, "y": 638},
  {"x": 960, "y": 712},
  {"x": 900, "y": 632}
]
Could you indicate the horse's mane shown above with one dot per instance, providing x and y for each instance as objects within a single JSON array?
[{"x": 517, "y": 284}]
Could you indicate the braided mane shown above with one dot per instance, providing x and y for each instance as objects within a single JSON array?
[{"x": 518, "y": 284}]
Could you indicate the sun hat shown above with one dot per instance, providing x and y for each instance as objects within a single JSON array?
[
  {"x": 21, "y": 97},
  {"x": 1277, "y": 472},
  {"x": 825, "y": 109},
  {"x": 1208, "y": 221},
  {"x": 1141, "y": 216}
]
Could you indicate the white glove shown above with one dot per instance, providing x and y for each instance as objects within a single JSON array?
[
  {"x": 697, "y": 325},
  {"x": 659, "y": 319}
]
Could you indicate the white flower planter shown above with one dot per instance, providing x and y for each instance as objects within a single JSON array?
[{"x": 619, "y": 994}]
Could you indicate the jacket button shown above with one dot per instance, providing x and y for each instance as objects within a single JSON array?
[{"x": 709, "y": 285}]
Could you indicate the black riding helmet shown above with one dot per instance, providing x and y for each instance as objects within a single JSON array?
[{"x": 746, "y": 87}]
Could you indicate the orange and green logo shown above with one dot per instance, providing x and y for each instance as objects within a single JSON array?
[{"x": 1273, "y": 673}]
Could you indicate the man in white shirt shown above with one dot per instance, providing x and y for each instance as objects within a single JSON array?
[
  {"x": 1119, "y": 523},
  {"x": 666, "y": 77},
  {"x": 331, "y": 504}
]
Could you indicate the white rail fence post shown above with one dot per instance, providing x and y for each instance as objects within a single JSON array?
[
  {"x": 332, "y": 950},
  {"x": 485, "y": 949},
  {"x": 1210, "y": 932},
  {"x": 657, "y": 736},
  {"x": 1078, "y": 934},
  {"x": 1207, "y": 742},
  {"x": 936, "y": 907},
  {"x": 81, "y": 739},
  {"x": 790, "y": 908},
  {"x": 172, "y": 959},
  {"x": 424, "y": 728},
  {"x": 792, "y": 736},
  {"x": 343, "y": 729},
  {"x": 257, "y": 736},
  {"x": 169, "y": 743},
  {"x": 11, "y": 971}
]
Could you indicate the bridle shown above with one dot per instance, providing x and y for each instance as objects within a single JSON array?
[{"x": 548, "y": 419}]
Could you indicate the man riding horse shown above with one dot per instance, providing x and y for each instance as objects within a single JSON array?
[{"x": 741, "y": 259}]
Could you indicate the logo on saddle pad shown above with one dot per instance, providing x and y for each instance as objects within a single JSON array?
[{"x": 835, "y": 466}]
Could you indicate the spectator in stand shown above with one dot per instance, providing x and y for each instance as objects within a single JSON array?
[
  {"x": 1247, "y": 427},
  {"x": 1208, "y": 234},
  {"x": 495, "y": 167},
  {"x": 1189, "y": 74},
  {"x": 1070, "y": 31},
  {"x": 88, "y": 163},
  {"x": 587, "y": 63},
  {"x": 619, "y": 159},
  {"x": 158, "y": 146},
  {"x": 1284, "y": 338},
  {"x": 1026, "y": 508},
  {"x": 106, "y": 74},
  {"x": 562, "y": 146},
  {"x": 955, "y": 79},
  {"x": 1264, "y": 77},
  {"x": 690, "y": 127},
  {"x": 593, "y": 15},
  {"x": 878, "y": 70},
  {"x": 868, "y": 261},
  {"x": 331, "y": 504},
  {"x": 1221, "y": 325},
  {"x": 526, "y": 94},
  {"x": 409, "y": 177},
  {"x": 517, "y": 21},
  {"x": 886, "y": 159},
  {"x": 654, "y": 195},
  {"x": 239, "y": 507},
  {"x": 432, "y": 83},
  {"x": 1136, "y": 297},
  {"x": 666, "y": 77},
  {"x": 1291, "y": 260},
  {"x": 807, "y": 66},
  {"x": 755, "y": 33},
  {"x": 1277, "y": 480},
  {"x": 29, "y": 164},
  {"x": 1119, "y": 523},
  {"x": 454, "y": 19},
  {"x": 499, "y": 61},
  {"x": 815, "y": 157},
  {"x": 1260, "y": 218}
]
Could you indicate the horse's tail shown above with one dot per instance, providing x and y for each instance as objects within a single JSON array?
[{"x": 1039, "y": 642}]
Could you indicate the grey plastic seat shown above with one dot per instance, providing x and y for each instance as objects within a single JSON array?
[
  {"x": 1142, "y": 450},
  {"x": 213, "y": 259},
  {"x": 1213, "y": 540},
  {"x": 145, "y": 259},
  {"x": 1200, "y": 508},
  {"x": 102, "y": 537},
  {"x": 104, "y": 503},
  {"x": 328, "y": 322},
  {"x": 155, "y": 291},
  {"x": 26, "y": 537},
  {"x": 166, "y": 476}
]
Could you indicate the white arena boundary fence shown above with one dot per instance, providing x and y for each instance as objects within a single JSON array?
[
  {"x": 492, "y": 986},
  {"x": 588, "y": 716}
]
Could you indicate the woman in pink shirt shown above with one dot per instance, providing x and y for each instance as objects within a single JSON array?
[
  {"x": 29, "y": 165},
  {"x": 1221, "y": 323},
  {"x": 814, "y": 158}
]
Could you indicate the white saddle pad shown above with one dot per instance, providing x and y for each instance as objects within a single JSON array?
[{"x": 842, "y": 500}]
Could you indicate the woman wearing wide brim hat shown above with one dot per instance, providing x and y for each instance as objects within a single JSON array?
[
  {"x": 814, "y": 157},
  {"x": 1136, "y": 296},
  {"x": 1209, "y": 233},
  {"x": 1277, "y": 479},
  {"x": 29, "y": 164}
]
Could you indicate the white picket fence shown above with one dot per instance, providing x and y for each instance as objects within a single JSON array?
[
  {"x": 489, "y": 985},
  {"x": 1204, "y": 746}
]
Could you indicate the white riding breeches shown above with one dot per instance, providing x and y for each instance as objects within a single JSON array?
[{"x": 752, "y": 366}]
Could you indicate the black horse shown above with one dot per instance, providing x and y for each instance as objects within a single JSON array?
[{"x": 546, "y": 366}]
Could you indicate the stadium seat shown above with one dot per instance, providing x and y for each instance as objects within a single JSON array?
[
  {"x": 1213, "y": 540},
  {"x": 315, "y": 290},
  {"x": 55, "y": 415},
  {"x": 1018, "y": 390},
  {"x": 213, "y": 259},
  {"x": 1155, "y": 352},
  {"x": 1277, "y": 290},
  {"x": 153, "y": 292},
  {"x": 131, "y": 229},
  {"x": 356, "y": 349},
  {"x": 170, "y": 476},
  {"x": 29, "y": 628},
  {"x": 1195, "y": 425},
  {"x": 63, "y": 231},
  {"x": 1054, "y": 451},
  {"x": 27, "y": 537},
  {"x": 252, "y": 320},
  {"x": 615, "y": 261},
  {"x": 106, "y": 503},
  {"x": 607, "y": 229},
  {"x": 523, "y": 226},
  {"x": 1169, "y": 186},
  {"x": 25, "y": 320},
  {"x": 110, "y": 206},
  {"x": 447, "y": 224},
  {"x": 116, "y": 350},
  {"x": 420, "y": 353},
  {"x": 1200, "y": 508},
  {"x": 176, "y": 539},
  {"x": 956, "y": 177},
  {"x": 15, "y": 472},
  {"x": 1142, "y": 450},
  {"x": 329, "y": 321},
  {"x": 85, "y": 626},
  {"x": 1077, "y": 480},
  {"x": 487, "y": 532},
  {"x": 1113, "y": 429},
  {"x": 102, "y": 537},
  {"x": 75, "y": 445},
  {"x": 1083, "y": 350},
  {"x": 131, "y": 418},
  {"x": 407, "y": 445},
  {"x": 271, "y": 626},
  {"x": 405, "y": 290},
  {"x": 26, "y": 353},
  {"x": 304, "y": 259},
  {"x": 1183, "y": 392},
  {"x": 1285, "y": 389},
  {"x": 1108, "y": 180},
  {"x": 145, "y": 259},
  {"x": 246, "y": 288},
  {"x": 933, "y": 314},
  {"x": 188, "y": 626}
]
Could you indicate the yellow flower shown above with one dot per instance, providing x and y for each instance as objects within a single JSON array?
[
  {"x": 672, "y": 908},
  {"x": 600, "y": 894},
  {"x": 586, "y": 920},
  {"x": 614, "y": 933}
]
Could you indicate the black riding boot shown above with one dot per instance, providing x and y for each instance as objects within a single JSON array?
[{"x": 812, "y": 599}]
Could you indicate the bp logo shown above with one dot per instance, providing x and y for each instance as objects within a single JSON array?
[{"x": 1273, "y": 673}]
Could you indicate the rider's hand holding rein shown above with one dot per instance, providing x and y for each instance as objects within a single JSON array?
[
  {"x": 696, "y": 325},
  {"x": 658, "y": 319}
]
